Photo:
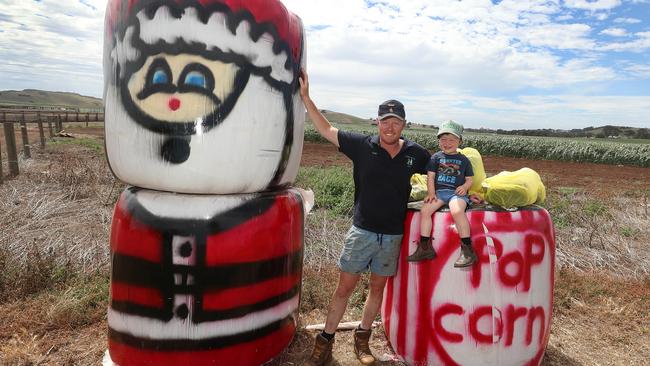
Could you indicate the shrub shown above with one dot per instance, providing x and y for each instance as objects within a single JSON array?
[{"x": 333, "y": 187}]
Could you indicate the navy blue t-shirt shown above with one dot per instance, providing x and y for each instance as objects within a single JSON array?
[
  {"x": 382, "y": 184},
  {"x": 450, "y": 170}
]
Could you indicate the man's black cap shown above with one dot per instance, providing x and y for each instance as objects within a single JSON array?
[{"x": 391, "y": 108}]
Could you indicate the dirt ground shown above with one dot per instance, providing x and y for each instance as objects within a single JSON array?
[
  {"x": 597, "y": 177},
  {"x": 587, "y": 330}
]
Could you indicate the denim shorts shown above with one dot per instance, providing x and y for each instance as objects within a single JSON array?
[
  {"x": 447, "y": 195},
  {"x": 365, "y": 249}
]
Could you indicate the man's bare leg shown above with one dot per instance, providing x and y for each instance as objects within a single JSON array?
[
  {"x": 373, "y": 301},
  {"x": 339, "y": 302}
]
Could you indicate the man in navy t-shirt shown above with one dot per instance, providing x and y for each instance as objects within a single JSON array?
[{"x": 383, "y": 166}]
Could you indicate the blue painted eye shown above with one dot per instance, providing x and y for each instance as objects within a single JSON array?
[
  {"x": 195, "y": 78},
  {"x": 160, "y": 77}
]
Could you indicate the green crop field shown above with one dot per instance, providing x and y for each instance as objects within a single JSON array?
[{"x": 602, "y": 151}]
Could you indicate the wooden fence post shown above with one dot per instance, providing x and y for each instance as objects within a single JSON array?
[
  {"x": 49, "y": 125},
  {"x": 12, "y": 155},
  {"x": 41, "y": 133},
  {"x": 40, "y": 129},
  {"x": 1, "y": 174},
  {"x": 66, "y": 116},
  {"x": 77, "y": 117},
  {"x": 23, "y": 132},
  {"x": 59, "y": 124},
  {"x": 96, "y": 117},
  {"x": 4, "y": 116},
  {"x": 87, "y": 118}
]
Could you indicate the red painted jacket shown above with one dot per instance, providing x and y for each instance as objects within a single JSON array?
[{"x": 204, "y": 279}]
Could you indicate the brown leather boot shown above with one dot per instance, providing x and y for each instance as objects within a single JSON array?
[
  {"x": 467, "y": 257},
  {"x": 423, "y": 252},
  {"x": 361, "y": 347},
  {"x": 322, "y": 353}
]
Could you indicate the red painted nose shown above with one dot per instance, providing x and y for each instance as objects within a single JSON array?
[{"x": 174, "y": 103}]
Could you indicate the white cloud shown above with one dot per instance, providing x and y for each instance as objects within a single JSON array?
[
  {"x": 447, "y": 59},
  {"x": 45, "y": 41},
  {"x": 614, "y": 32},
  {"x": 592, "y": 5},
  {"x": 627, "y": 20},
  {"x": 601, "y": 16},
  {"x": 562, "y": 18},
  {"x": 640, "y": 44},
  {"x": 639, "y": 71},
  {"x": 558, "y": 36}
]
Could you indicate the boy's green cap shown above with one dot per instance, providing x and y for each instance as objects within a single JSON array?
[{"x": 451, "y": 127}]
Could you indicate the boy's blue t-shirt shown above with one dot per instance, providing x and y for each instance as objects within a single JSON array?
[{"x": 450, "y": 170}]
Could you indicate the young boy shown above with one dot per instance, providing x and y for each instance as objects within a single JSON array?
[{"x": 449, "y": 177}]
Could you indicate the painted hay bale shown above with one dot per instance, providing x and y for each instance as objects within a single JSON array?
[
  {"x": 204, "y": 280},
  {"x": 203, "y": 96},
  {"x": 497, "y": 312}
]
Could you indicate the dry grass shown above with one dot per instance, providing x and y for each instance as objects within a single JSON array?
[
  {"x": 324, "y": 234},
  {"x": 602, "y": 234},
  {"x": 599, "y": 320},
  {"x": 54, "y": 226},
  {"x": 54, "y": 221}
]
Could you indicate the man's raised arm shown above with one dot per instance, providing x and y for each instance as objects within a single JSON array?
[{"x": 323, "y": 126}]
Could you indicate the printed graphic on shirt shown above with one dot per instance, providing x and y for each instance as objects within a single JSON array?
[{"x": 448, "y": 172}]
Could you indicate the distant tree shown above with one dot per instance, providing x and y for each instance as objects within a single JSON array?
[
  {"x": 611, "y": 131},
  {"x": 643, "y": 133},
  {"x": 629, "y": 132}
]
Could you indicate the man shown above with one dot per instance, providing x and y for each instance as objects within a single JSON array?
[{"x": 383, "y": 166}]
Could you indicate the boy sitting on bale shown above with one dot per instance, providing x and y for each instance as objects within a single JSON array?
[{"x": 449, "y": 178}]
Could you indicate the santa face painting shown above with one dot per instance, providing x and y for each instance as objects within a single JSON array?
[
  {"x": 201, "y": 98},
  {"x": 176, "y": 94}
]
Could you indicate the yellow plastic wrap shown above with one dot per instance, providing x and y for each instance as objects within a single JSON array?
[
  {"x": 419, "y": 181},
  {"x": 418, "y": 187},
  {"x": 477, "y": 166},
  {"x": 514, "y": 189}
]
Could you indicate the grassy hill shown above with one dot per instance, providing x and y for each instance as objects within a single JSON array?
[
  {"x": 33, "y": 97},
  {"x": 338, "y": 118},
  {"x": 350, "y": 122}
]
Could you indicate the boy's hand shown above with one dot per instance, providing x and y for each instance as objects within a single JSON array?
[
  {"x": 461, "y": 190},
  {"x": 430, "y": 198}
]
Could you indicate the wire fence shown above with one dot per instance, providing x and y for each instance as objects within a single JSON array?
[{"x": 19, "y": 119}]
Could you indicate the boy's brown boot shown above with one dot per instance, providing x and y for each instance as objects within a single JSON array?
[
  {"x": 361, "y": 347},
  {"x": 467, "y": 256},
  {"x": 322, "y": 353},
  {"x": 423, "y": 252}
]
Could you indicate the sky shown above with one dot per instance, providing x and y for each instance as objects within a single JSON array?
[{"x": 512, "y": 64}]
